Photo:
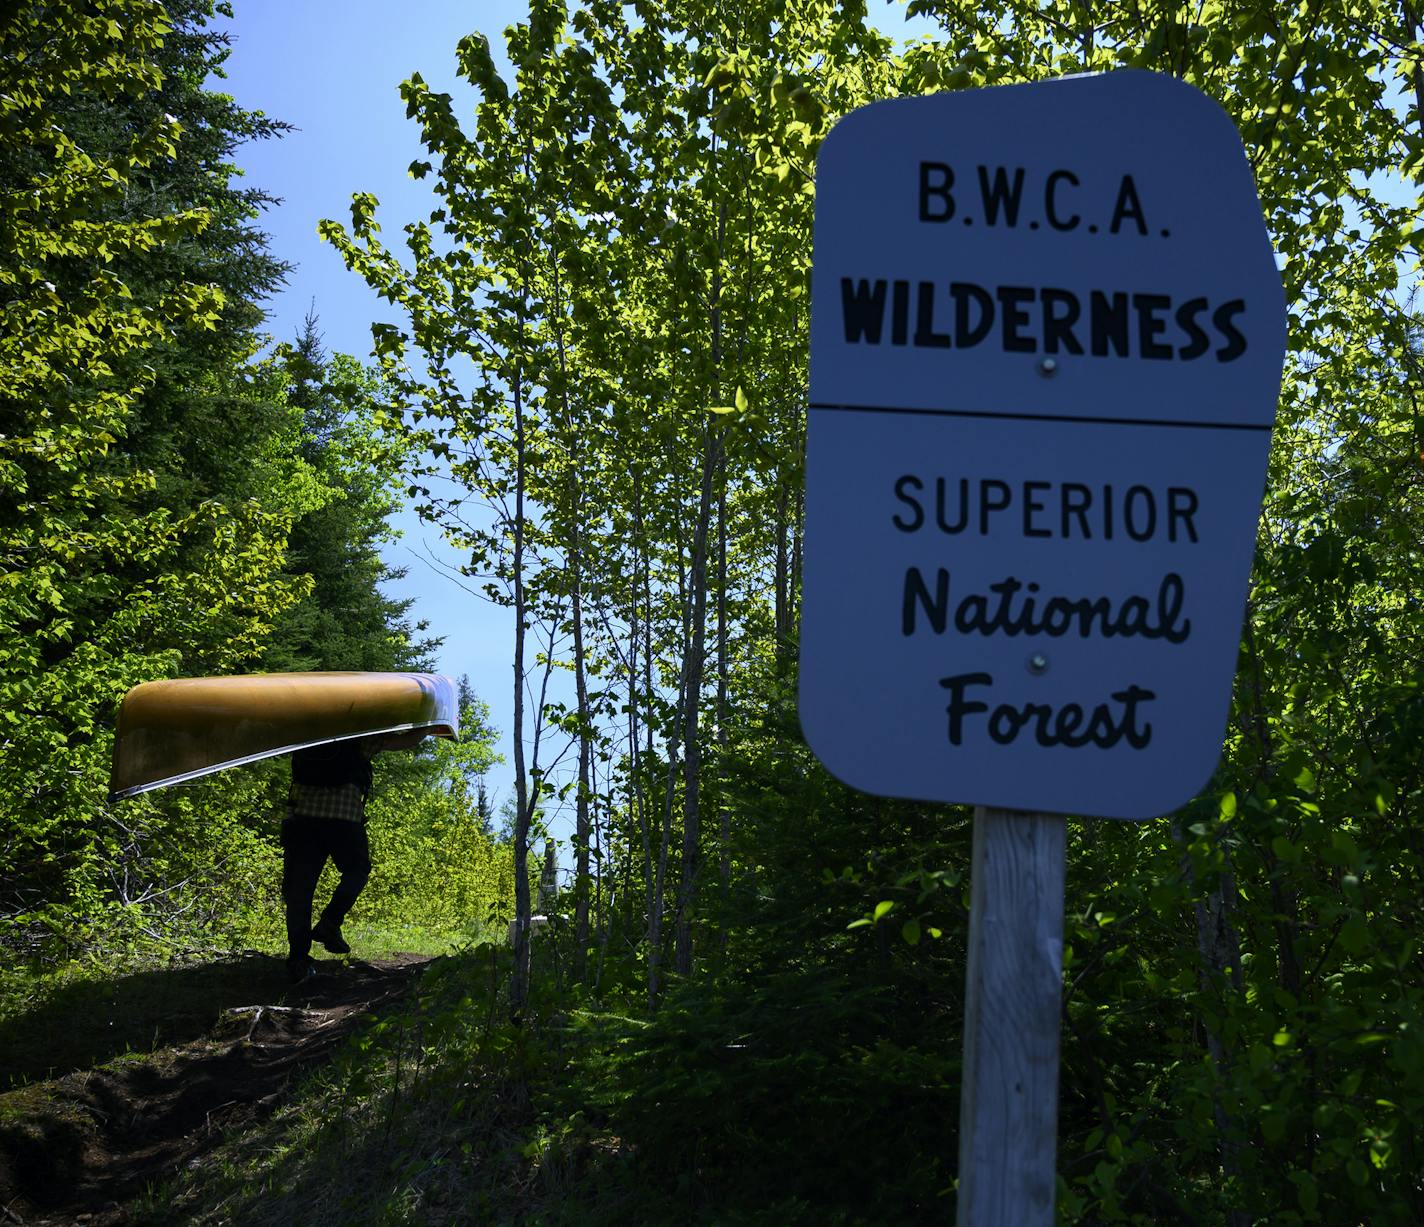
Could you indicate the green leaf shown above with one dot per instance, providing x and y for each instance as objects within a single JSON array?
[
  {"x": 910, "y": 931},
  {"x": 884, "y": 908},
  {"x": 1273, "y": 1125},
  {"x": 1285, "y": 850}
]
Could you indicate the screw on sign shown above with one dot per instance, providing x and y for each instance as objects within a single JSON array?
[{"x": 1046, "y": 341}]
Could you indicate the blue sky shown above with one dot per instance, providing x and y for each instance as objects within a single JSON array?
[{"x": 332, "y": 69}]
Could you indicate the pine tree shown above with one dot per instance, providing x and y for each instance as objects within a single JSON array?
[
  {"x": 145, "y": 489},
  {"x": 346, "y": 621}
]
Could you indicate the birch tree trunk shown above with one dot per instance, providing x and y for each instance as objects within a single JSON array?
[
  {"x": 695, "y": 650},
  {"x": 523, "y": 793},
  {"x": 581, "y": 824},
  {"x": 695, "y": 623},
  {"x": 575, "y": 562},
  {"x": 724, "y": 817}
]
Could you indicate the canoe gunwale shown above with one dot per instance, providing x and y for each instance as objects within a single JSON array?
[{"x": 440, "y": 728}]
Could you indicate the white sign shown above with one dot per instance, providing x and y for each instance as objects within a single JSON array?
[{"x": 1046, "y": 341}]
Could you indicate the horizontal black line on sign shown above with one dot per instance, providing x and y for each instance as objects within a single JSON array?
[{"x": 1041, "y": 417}]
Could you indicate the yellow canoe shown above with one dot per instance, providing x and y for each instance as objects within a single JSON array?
[{"x": 178, "y": 730}]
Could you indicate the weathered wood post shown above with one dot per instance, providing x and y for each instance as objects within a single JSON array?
[{"x": 1008, "y": 1116}]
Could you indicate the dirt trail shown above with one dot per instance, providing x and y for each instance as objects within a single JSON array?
[{"x": 77, "y": 1148}]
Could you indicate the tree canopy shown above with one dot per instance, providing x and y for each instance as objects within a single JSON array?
[{"x": 172, "y": 502}]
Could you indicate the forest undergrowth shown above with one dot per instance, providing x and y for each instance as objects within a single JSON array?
[{"x": 585, "y": 1113}]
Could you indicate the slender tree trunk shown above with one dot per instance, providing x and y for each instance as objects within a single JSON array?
[
  {"x": 1086, "y": 32},
  {"x": 523, "y": 793},
  {"x": 637, "y": 801},
  {"x": 1220, "y": 951},
  {"x": 601, "y": 901},
  {"x": 657, "y": 885},
  {"x": 695, "y": 641},
  {"x": 793, "y": 583},
  {"x": 581, "y": 880},
  {"x": 781, "y": 579},
  {"x": 652, "y": 874},
  {"x": 659, "y": 891},
  {"x": 576, "y": 566},
  {"x": 724, "y": 816},
  {"x": 695, "y": 651}
]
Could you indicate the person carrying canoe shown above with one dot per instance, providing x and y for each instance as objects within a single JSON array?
[{"x": 326, "y": 816}]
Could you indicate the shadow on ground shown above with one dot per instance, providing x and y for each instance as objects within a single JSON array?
[
  {"x": 90, "y": 1022},
  {"x": 224, "y": 1040}
]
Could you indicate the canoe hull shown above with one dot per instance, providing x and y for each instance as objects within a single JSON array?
[{"x": 178, "y": 730}]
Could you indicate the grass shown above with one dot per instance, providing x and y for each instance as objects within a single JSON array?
[
  {"x": 386, "y": 1133},
  {"x": 80, "y": 1018},
  {"x": 97, "y": 1020},
  {"x": 442, "y": 1111},
  {"x": 378, "y": 941},
  {"x": 56, "y": 1020},
  {"x": 446, "y": 1113},
  {"x": 432, "y": 1115}
]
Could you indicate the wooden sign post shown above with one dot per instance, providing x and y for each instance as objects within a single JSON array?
[
  {"x": 1047, "y": 331},
  {"x": 1008, "y": 1116}
]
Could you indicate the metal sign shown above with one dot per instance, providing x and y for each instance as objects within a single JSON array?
[{"x": 1046, "y": 341}]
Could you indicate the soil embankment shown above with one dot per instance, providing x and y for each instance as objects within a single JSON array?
[{"x": 77, "y": 1148}]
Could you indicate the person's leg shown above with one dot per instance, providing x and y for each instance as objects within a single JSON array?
[
  {"x": 303, "y": 854},
  {"x": 352, "y": 855}
]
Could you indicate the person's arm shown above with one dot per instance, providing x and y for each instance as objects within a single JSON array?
[{"x": 372, "y": 746}]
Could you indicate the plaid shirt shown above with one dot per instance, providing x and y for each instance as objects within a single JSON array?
[{"x": 344, "y": 802}]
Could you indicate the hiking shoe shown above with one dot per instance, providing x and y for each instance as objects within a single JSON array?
[
  {"x": 300, "y": 969},
  {"x": 330, "y": 936}
]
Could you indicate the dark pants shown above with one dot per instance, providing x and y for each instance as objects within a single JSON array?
[{"x": 306, "y": 843}]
